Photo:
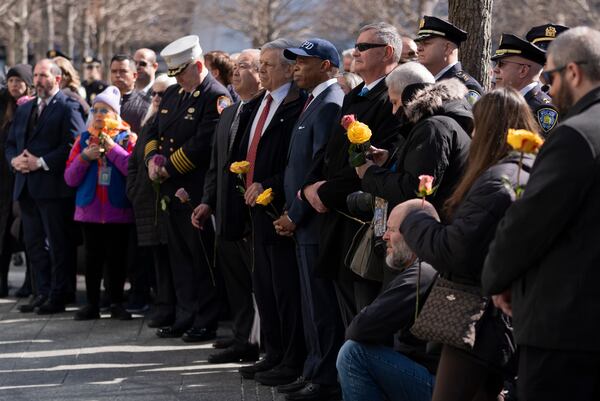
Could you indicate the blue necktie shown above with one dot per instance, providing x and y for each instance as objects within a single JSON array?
[{"x": 363, "y": 91}]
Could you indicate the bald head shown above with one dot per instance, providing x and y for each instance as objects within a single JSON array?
[{"x": 146, "y": 66}]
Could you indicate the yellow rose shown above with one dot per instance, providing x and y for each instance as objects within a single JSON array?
[
  {"x": 524, "y": 141},
  {"x": 266, "y": 197},
  {"x": 240, "y": 167},
  {"x": 111, "y": 123},
  {"x": 359, "y": 133}
]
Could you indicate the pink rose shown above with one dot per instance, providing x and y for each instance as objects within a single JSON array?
[
  {"x": 23, "y": 99},
  {"x": 182, "y": 195},
  {"x": 347, "y": 120},
  {"x": 159, "y": 161},
  {"x": 425, "y": 185}
]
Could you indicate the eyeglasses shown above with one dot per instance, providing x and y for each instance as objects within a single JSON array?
[
  {"x": 102, "y": 111},
  {"x": 159, "y": 94},
  {"x": 362, "y": 47},
  {"x": 141, "y": 63},
  {"x": 502, "y": 63},
  {"x": 548, "y": 76}
]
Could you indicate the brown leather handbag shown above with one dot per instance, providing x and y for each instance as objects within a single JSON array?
[{"x": 450, "y": 314}]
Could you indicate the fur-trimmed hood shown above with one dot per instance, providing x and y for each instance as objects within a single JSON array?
[{"x": 432, "y": 99}]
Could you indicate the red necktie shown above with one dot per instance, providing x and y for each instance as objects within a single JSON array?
[
  {"x": 310, "y": 99},
  {"x": 251, "y": 157}
]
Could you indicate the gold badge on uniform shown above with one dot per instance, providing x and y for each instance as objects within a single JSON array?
[
  {"x": 551, "y": 32},
  {"x": 191, "y": 110},
  {"x": 421, "y": 23},
  {"x": 222, "y": 103},
  {"x": 197, "y": 93},
  {"x": 190, "y": 114}
]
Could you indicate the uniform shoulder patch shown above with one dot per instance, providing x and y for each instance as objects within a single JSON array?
[
  {"x": 547, "y": 118},
  {"x": 222, "y": 103},
  {"x": 473, "y": 96}
]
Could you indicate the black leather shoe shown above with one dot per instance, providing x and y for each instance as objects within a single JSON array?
[
  {"x": 249, "y": 371},
  {"x": 277, "y": 376},
  {"x": 224, "y": 343},
  {"x": 88, "y": 312},
  {"x": 236, "y": 353},
  {"x": 33, "y": 303},
  {"x": 50, "y": 307},
  {"x": 169, "y": 332},
  {"x": 294, "y": 386},
  {"x": 315, "y": 392},
  {"x": 160, "y": 321},
  {"x": 199, "y": 334}
]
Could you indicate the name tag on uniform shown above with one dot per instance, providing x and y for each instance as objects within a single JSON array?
[
  {"x": 104, "y": 173},
  {"x": 164, "y": 111}
]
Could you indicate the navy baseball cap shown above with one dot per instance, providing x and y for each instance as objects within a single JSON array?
[{"x": 316, "y": 47}]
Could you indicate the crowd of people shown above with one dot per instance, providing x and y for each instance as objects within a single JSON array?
[{"x": 231, "y": 188}]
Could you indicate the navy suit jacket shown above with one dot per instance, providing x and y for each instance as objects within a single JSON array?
[
  {"x": 51, "y": 139},
  {"x": 309, "y": 136}
]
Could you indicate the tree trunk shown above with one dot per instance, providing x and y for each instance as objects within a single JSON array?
[
  {"x": 11, "y": 56},
  {"x": 22, "y": 33},
  {"x": 48, "y": 18},
  {"x": 475, "y": 17},
  {"x": 70, "y": 15}
]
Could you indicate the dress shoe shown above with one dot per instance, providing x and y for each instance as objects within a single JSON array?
[
  {"x": 315, "y": 392},
  {"x": 224, "y": 343},
  {"x": 234, "y": 354},
  {"x": 294, "y": 386},
  {"x": 160, "y": 321},
  {"x": 169, "y": 332},
  {"x": 36, "y": 301},
  {"x": 199, "y": 334},
  {"x": 118, "y": 312},
  {"x": 277, "y": 376},
  {"x": 50, "y": 307},
  {"x": 249, "y": 371},
  {"x": 88, "y": 312}
]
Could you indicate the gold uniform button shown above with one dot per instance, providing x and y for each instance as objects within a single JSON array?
[
  {"x": 171, "y": 140},
  {"x": 170, "y": 149},
  {"x": 160, "y": 147},
  {"x": 162, "y": 138}
]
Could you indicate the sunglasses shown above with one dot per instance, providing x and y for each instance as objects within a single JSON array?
[
  {"x": 502, "y": 63},
  {"x": 141, "y": 63},
  {"x": 362, "y": 47},
  {"x": 548, "y": 76},
  {"x": 102, "y": 111},
  {"x": 159, "y": 94}
]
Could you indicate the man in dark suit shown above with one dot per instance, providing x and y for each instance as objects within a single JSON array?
[
  {"x": 332, "y": 178},
  {"x": 545, "y": 256},
  {"x": 437, "y": 45},
  {"x": 183, "y": 134},
  {"x": 317, "y": 63},
  {"x": 134, "y": 103},
  {"x": 221, "y": 196},
  {"x": 518, "y": 65},
  {"x": 37, "y": 148},
  {"x": 275, "y": 275}
]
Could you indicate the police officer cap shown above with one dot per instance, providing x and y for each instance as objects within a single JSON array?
[
  {"x": 91, "y": 60},
  {"x": 512, "y": 45},
  {"x": 433, "y": 26},
  {"x": 180, "y": 53},
  {"x": 316, "y": 47},
  {"x": 56, "y": 53},
  {"x": 542, "y": 35}
]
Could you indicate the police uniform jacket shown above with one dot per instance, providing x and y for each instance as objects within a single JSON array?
[
  {"x": 544, "y": 111},
  {"x": 475, "y": 89},
  {"x": 92, "y": 89},
  {"x": 183, "y": 133}
]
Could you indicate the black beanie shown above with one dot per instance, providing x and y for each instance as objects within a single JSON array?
[{"x": 23, "y": 71}]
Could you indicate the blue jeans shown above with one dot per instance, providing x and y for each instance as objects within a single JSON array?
[{"x": 372, "y": 372}]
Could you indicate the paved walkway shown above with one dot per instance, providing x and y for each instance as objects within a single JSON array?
[{"x": 58, "y": 359}]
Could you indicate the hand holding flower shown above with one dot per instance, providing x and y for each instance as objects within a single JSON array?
[{"x": 359, "y": 135}]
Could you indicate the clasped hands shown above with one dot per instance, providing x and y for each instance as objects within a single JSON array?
[{"x": 25, "y": 162}]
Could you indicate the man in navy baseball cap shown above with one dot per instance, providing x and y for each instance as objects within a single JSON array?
[{"x": 316, "y": 47}]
